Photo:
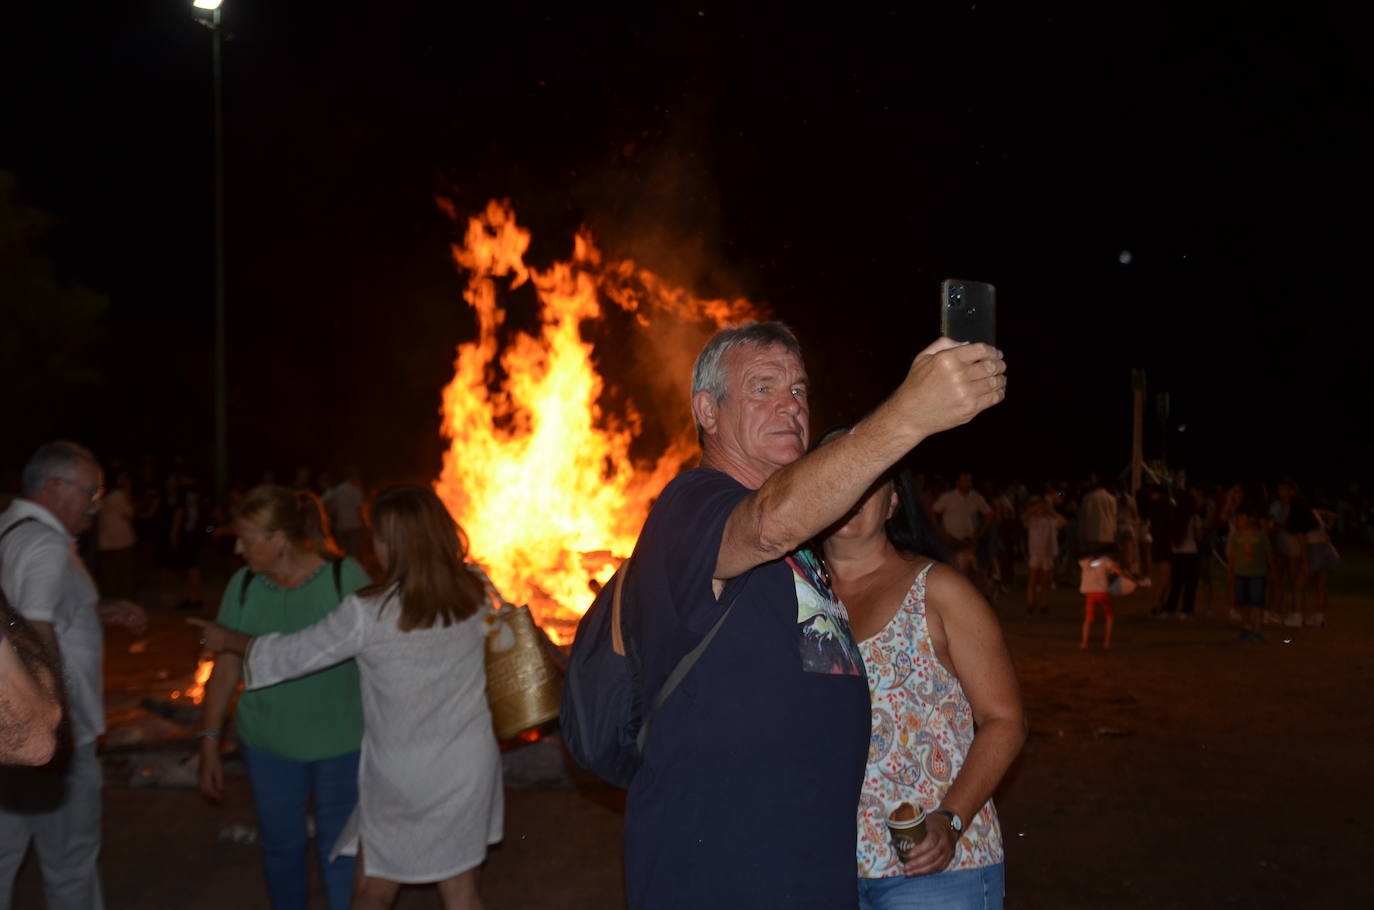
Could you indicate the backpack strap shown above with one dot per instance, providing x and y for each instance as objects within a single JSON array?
[
  {"x": 617, "y": 636},
  {"x": 21, "y": 521},
  {"x": 243, "y": 588},
  {"x": 6, "y": 532},
  {"x": 683, "y": 666}
]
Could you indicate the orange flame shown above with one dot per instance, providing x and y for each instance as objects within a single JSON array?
[
  {"x": 196, "y": 691},
  {"x": 537, "y": 472}
]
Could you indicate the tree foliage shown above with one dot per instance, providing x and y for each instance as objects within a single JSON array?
[{"x": 48, "y": 327}]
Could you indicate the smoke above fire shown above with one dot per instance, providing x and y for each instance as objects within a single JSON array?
[{"x": 562, "y": 428}]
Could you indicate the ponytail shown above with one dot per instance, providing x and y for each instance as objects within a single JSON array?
[{"x": 315, "y": 526}]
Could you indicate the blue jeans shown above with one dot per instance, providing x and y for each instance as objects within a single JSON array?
[
  {"x": 965, "y": 889},
  {"x": 1249, "y": 591},
  {"x": 281, "y": 788}
]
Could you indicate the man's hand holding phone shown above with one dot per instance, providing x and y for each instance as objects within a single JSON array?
[{"x": 951, "y": 383}]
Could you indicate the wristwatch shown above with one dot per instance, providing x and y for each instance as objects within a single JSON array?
[{"x": 956, "y": 823}]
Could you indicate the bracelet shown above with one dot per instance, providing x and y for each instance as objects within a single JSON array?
[{"x": 207, "y": 734}]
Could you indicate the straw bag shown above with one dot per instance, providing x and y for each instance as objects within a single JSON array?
[{"x": 524, "y": 688}]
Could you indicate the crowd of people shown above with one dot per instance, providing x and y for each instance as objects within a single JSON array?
[
  {"x": 1177, "y": 537},
  {"x": 157, "y": 517},
  {"x": 363, "y": 707},
  {"x": 865, "y": 674}
]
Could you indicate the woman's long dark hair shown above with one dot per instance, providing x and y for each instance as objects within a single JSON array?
[{"x": 910, "y": 529}]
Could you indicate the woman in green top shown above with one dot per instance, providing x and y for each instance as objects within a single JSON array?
[{"x": 300, "y": 738}]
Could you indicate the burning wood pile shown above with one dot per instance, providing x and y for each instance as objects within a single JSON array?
[{"x": 542, "y": 468}]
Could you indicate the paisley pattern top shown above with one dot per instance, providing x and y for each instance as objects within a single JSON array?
[{"x": 922, "y": 730}]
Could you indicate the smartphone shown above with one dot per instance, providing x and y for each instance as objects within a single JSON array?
[{"x": 968, "y": 311}]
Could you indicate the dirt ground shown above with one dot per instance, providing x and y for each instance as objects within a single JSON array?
[{"x": 1183, "y": 768}]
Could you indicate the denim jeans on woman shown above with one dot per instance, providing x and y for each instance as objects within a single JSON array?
[
  {"x": 281, "y": 790},
  {"x": 963, "y": 889}
]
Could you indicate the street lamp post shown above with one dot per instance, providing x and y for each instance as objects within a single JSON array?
[{"x": 221, "y": 357}]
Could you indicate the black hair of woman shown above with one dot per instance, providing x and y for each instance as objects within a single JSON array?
[{"x": 909, "y": 529}]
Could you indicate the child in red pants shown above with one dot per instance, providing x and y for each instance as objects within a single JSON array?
[{"x": 1095, "y": 587}]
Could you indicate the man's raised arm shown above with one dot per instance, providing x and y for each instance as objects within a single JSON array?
[{"x": 947, "y": 386}]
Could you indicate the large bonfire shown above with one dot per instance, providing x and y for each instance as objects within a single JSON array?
[{"x": 539, "y": 469}]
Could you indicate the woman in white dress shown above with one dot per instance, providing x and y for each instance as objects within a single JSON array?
[{"x": 429, "y": 782}]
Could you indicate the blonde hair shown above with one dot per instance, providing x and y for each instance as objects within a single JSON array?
[
  {"x": 298, "y": 514},
  {"x": 426, "y": 552}
]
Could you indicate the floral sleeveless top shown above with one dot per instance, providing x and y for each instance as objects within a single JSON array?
[{"x": 922, "y": 729}]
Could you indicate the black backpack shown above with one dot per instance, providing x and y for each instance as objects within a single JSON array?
[{"x": 602, "y": 717}]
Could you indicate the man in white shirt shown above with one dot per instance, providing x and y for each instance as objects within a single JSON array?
[
  {"x": 1096, "y": 517},
  {"x": 965, "y": 517},
  {"x": 47, "y": 583}
]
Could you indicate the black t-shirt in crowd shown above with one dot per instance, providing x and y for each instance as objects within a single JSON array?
[{"x": 749, "y": 789}]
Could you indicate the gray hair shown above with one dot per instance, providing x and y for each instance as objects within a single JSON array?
[
  {"x": 53, "y": 459},
  {"x": 708, "y": 375}
]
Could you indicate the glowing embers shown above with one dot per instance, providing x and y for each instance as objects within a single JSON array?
[{"x": 196, "y": 691}]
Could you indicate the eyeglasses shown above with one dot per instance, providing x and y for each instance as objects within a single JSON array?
[{"x": 95, "y": 493}]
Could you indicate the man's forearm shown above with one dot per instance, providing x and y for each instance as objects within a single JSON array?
[
  {"x": 948, "y": 384},
  {"x": 805, "y": 497}
]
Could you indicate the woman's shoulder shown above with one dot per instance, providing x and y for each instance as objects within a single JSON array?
[
  {"x": 371, "y": 597},
  {"x": 947, "y": 587},
  {"x": 352, "y": 575},
  {"x": 940, "y": 575}
]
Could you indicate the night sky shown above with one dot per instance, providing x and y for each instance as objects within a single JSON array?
[{"x": 833, "y": 162}]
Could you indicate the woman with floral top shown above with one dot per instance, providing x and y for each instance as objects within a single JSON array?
[{"x": 947, "y": 718}]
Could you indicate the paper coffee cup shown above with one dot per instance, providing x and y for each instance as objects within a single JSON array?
[{"x": 907, "y": 825}]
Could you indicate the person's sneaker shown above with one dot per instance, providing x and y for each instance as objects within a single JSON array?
[
  {"x": 1315, "y": 621},
  {"x": 1293, "y": 620},
  {"x": 1234, "y": 615},
  {"x": 1184, "y": 617},
  {"x": 1271, "y": 617}
]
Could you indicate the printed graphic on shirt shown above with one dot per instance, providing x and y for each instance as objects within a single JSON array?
[{"x": 827, "y": 643}]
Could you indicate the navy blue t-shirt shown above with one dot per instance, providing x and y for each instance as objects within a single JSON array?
[{"x": 749, "y": 789}]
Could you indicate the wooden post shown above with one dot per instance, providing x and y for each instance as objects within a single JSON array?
[{"x": 1137, "y": 427}]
